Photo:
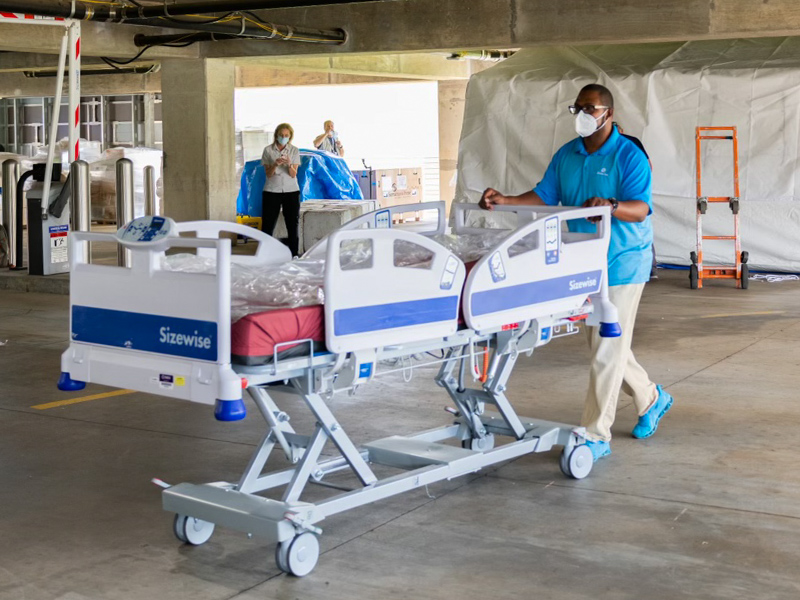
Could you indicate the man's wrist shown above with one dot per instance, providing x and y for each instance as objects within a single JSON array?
[{"x": 614, "y": 203}]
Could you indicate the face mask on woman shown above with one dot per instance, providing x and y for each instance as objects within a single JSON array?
[
  {"x": 586, "y": 124},
  {"x": 283, "y": 140}
]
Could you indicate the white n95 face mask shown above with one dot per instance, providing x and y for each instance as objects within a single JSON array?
[{"x": 586, "y": 124}]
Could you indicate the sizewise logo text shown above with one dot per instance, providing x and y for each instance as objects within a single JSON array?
[
  {"x": 589, "y": 282},
  {"x": 183, "y": 339}
]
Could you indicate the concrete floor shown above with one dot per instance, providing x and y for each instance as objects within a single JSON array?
[{"x": 707, "y": 508}]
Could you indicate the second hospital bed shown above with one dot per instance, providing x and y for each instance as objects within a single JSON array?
[{"x": 169, "y": 333}]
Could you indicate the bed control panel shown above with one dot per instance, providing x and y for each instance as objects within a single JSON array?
[{"x": 150, "y": 232}]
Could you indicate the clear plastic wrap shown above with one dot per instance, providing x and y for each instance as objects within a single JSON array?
[
  {"x": 256, "y": 289},
  {"x": 300, "y": 282},
  {"x": 470, "y": 247}
]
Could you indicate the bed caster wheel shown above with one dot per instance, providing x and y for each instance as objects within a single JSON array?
[
  {"x": 299, "y": 555},
  {"x": 479, "y": 444},
  {"x": 578, "y": 462},
  {"x": 192, "y": 531}
]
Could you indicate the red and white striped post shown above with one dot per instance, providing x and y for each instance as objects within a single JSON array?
[{"x": 74, "y": 111}]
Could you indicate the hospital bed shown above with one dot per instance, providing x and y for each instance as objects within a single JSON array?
[{"x": 170, "y": 333}]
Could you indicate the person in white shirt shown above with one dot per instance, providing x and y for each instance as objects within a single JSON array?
[
  {"x": 281, "y": 161},
  {"x": 328, "y": 140}
]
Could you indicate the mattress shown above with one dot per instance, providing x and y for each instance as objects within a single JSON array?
[{"x": 255, "y": 336}]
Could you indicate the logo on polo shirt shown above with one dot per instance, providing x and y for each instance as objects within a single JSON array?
[{"x": 603, "y": 172}]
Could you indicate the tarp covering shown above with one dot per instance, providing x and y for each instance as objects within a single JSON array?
[
  {"x": 321, "y": 176},
  {"x": 516, "y": 118}
]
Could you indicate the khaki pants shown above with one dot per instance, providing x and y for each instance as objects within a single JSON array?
[{"x": 613, "y": 367}]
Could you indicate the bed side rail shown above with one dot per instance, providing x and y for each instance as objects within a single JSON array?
[
  {"x": 156, "y": 331},
  {"x": 382, "y": 219},
  {"x": 537, "y": 272},
  {"x": 269, "y": 251},
  {"x": 388, "y": 300}
]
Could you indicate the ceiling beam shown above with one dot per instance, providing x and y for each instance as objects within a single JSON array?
[{"x": 430, "y": 25}]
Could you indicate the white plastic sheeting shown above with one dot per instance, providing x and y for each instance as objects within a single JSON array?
[{"x": 516, "y": 118}]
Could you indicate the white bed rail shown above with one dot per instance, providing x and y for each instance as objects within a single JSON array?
[
  {"x": 538, "y": 270},
  {"x": 382, "y": 219},
  {"x": 151, "y": 330},
  {"x": 386, "y": 303}
]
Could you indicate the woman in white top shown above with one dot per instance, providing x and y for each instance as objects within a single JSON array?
[{"x": 281, "y": 161}]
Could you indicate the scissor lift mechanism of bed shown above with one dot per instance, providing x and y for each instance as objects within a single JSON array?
[{"x": 125, "y": 323}]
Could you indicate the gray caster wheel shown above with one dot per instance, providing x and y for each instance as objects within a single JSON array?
[
  {"x": 192, "y": 531},
  {"x": 299, "y": 555},
  {"x": 578, "y": 462},
  {"x": 479, "y": 444}
]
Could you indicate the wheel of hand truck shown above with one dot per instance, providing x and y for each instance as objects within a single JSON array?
[
  {"x": 578, "y": 462},
  {"x": 192, "y": 531},
  {"x": 693, "y": 257},
  {"x": 745, "y": 256},
  {"x": 694, "y": 276},
  {"x": 298, "y": 556},
  {"x": 745, "y": 276},
  {"x": 479, "y": 444}
]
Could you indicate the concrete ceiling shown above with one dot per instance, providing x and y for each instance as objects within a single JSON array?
[
  {"x": 396, "y": 26},
  {"x": 409, "y": 38}
]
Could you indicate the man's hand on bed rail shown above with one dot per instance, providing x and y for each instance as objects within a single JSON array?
[
  {"x": 632, "y": 211},
  {"x": 491, "y": 197}
]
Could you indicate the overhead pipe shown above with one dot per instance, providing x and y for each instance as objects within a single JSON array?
[
  {"x": 239, "y": 27},
  {"x": 106, "y": 12},
  {"x": 143, "y": 70},
  {"x": 163, "y": 16},
  {"x": 487, "y": 55}
]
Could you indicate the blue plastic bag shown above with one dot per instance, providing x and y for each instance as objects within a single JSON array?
[{"x": 321, "y": 176}]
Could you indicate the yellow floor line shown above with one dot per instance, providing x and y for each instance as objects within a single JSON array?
[
  {"x": 745, "y": 314},
  {"x": 83, "y": 399}
]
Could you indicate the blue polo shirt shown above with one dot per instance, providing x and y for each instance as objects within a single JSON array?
[{"x": 617, "y": 170}]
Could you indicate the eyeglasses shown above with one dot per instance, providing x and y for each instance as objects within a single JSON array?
[{"x": 587, "y": 108}]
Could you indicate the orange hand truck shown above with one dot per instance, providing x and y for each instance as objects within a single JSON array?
[{"x": 739, "y": 271}]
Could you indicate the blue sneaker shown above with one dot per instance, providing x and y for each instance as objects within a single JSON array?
[
  {"x": 648, "y": 422},
  {"x": 599, "y": 449}
]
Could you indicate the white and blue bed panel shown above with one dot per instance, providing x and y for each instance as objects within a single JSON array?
[
  {"x": 151, "y": 330},
  {"x": 382, "y": 219},
  {"x": 385, "y": 303},
  {"x": 537, "y": 271}
]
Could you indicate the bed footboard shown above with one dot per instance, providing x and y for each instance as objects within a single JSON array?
[{"x": 152, "y": 330}]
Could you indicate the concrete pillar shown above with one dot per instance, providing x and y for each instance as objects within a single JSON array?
[
  {"x": 199, "y": 152},
  {"x": 452, "y": 97}
]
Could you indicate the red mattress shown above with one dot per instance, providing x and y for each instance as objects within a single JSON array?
[{"x": 254, "y": 337}]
